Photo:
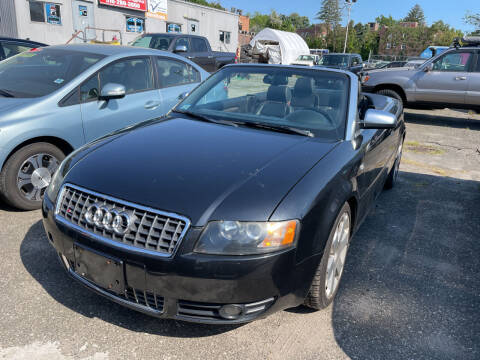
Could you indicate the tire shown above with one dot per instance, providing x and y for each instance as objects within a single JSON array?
[
  {"x": 393, "y": 174},
  {"x": 321, "y": 294},
  {"x": 27, "y": 173},
  {"x": 391, "y": 93}
]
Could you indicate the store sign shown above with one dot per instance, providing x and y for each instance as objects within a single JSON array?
[
  {"x": 140, "y": 5},
  {"x": 135, "y": 24},
  {"x": 157, "y": 9},
  {"x": 53, "y": 14},
  {"x": 83, "y": 11}
]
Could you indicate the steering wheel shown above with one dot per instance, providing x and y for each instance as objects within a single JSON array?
[{"x": 304, "y": 114}]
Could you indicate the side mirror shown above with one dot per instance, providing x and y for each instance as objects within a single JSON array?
[
  {"x": 112, "y": 91},
  {"x": 180, "y": 49},
  {"x": 378, "y": 119},
  {"x": 428, "y": 67}
]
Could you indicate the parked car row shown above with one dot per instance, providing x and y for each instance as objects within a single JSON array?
[{"x": 261, "y": 175}]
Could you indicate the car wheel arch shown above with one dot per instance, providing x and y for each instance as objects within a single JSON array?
[
  {"x": 397, "y": 88},
  {"x": 62, "y": 144}
]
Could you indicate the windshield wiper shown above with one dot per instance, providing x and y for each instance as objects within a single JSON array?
[
  {"x": 6, "y": 93},
  {"x": 205, "y": 118},
  {"x": 279, "y": 128}
]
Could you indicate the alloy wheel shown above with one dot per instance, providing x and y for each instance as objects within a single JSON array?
[
  {"x": 35, "y": 175},
  {"x": 338, "y": 253}
]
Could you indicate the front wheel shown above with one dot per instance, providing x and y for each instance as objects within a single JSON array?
[
  {"x": 329, "y": 272},
  {"x": 27, "y": 173}
]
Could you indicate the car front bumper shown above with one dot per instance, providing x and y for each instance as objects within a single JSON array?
[{"x": 188, "y": 286}]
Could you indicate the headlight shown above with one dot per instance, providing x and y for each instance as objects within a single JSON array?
[
  {"x": 246, "y": 238},
  {"x": 56, "y": 183},
  {"x": 365, "y": 78}
]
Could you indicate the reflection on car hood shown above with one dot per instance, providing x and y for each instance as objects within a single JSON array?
[
  {"x": 392, "y": 71},
  {"x": 200, "y": 170}
]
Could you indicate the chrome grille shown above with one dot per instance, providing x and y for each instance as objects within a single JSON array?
[{"x": 150, "y": 229}]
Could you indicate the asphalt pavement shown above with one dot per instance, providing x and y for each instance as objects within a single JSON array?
[{"x": 411, "y": 287}]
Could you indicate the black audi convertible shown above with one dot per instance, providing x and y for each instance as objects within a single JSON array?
[{"x": 242, "y": 201}]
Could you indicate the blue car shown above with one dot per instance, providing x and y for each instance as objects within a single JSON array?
[{"x": 55, "y": 99}]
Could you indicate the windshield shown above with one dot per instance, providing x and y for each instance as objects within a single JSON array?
[
  {"x": 311, "y": 100},
  {"x": 153, "y": 41},
  {"x": 41, "y": 72},
  {"x": 335, "y": 60},
  {"x": 306, "y": 57}
]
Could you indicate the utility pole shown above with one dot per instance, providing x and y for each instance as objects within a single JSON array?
[{"x": 348, "y": 4}]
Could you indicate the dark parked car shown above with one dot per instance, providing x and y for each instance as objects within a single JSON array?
[
  {"x": 10, "y": 47},
  {"x": 350, "y": 62},
  {"x": 195, "y": 48},
  {"x": 234, "y": 206}
]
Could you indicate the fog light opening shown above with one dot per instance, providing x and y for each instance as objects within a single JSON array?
[{"x": 231, "y": 311}]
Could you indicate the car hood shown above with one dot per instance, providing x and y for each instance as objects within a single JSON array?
[
  {"x": 392, "y": 71},
  {"x": 200, "y": 170}
]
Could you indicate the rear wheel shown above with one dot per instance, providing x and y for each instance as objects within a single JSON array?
[
  {"x": 391, "y": 93},
  {"x": 27, "y": 173},
  {"x": 329, "y": 272}
]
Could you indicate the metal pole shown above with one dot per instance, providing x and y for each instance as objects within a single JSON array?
[{"x": 349, "y": 5}]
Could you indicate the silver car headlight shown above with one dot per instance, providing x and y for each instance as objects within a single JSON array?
[{"x": 247, "y": 238}]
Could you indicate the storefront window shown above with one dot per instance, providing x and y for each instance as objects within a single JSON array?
[
  {"x": 174, "y": 28},
  {"x": 37, "y": 13},
  {"x": 225, "y": 37},
  {"x": 135, "y": 24}
]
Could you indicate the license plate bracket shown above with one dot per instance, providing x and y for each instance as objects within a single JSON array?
[{"x": 102, "y": 270}]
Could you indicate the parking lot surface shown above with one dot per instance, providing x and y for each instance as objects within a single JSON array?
[{"x": 411, "y": 287}]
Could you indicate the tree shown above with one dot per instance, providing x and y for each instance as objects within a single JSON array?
[
  {"x": 299, "y": 22},
  {"x": 386, "y": 21},
  {"x": 331, "y": 15},
  {"x": 416, "y": 15},
  {"x": 473, "y": 19}
]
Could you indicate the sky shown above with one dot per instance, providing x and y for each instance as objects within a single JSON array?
[{"x": 450, "y": 11}]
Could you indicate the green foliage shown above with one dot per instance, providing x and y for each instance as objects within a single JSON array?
[
  {"x": 386, "y": 21},
  {"x": 277, "y": 21},
  {"x": 416, "y": 15},
  {"x": 213, "y": 4}
]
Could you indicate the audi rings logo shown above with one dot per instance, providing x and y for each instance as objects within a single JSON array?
[{"x": 109, "y": 219}]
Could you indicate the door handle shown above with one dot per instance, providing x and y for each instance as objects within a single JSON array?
[
  {"x": 461, "y": 78},
  {"x": 151, "y": 105},
  {"x": 210, "y": 57}
]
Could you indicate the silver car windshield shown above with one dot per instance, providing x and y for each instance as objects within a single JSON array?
[
  {"x": 309, "y": 100},
  {"x": 42, "y": 71}
]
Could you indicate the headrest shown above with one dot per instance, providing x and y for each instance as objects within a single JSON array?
[
  {"x": 279, "y": 93},
  {"x": 275, "y": 79},
  {"x": 303, "y": 86}
]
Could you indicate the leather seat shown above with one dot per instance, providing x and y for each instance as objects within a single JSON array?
[
  {"x": 277, "y": 103},
  {"x": 303, "y": 96}
]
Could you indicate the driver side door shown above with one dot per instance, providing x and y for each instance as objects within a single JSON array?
[
  {"x": 447, "y": 81},
  {"x": 141, "y": 102}
]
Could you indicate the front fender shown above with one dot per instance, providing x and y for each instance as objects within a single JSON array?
[{"x": 318, "y": 197}]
